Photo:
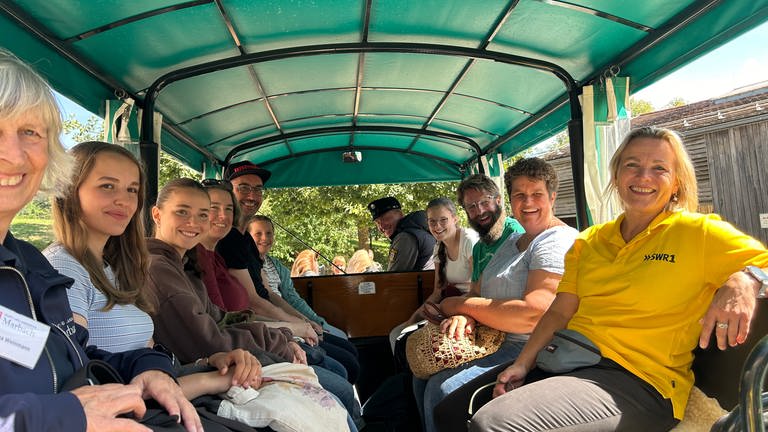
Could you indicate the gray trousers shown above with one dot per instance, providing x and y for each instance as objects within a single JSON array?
[{"x": 605, "y": 397}]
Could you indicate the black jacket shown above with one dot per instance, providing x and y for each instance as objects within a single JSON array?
[{"x": 412, "y": 244}]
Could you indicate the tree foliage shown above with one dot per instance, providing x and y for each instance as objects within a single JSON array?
[
  {"x": 171, "y": 168},
  {"x": 676, "y": 102},
  {"x": 640, "y": 106},
  {"x": 91, "y": 130},
  {"x": 334, "y": 220}
]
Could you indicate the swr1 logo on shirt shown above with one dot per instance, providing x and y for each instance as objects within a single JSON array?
[{"x": 670, "y": 258}]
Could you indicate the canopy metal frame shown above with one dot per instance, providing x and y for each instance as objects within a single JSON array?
[{"x": 149, "y": 149}]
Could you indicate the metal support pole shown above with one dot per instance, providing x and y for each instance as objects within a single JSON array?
[{"x": 576, "y": 140}]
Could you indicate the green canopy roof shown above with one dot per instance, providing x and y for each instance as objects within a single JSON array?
[{"x": 420, "y": 88}]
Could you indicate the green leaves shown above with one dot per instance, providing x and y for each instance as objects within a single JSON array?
[{"x": 335, "y": 220}]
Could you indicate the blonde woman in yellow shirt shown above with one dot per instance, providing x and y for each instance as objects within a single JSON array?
[{"x": 646, "y": 289}]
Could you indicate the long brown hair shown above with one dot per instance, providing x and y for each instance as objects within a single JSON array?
[
  {"x": 442, "y": 255},
  {"x": 126, "y": 253}
]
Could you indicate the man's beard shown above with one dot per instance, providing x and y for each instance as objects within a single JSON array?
[{"x": 487, "y": 232}]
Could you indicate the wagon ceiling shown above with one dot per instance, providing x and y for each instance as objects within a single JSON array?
[{"x": 419, "y": 88}]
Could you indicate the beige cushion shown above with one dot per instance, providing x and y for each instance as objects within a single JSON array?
[{"x": 700, "y": 414}]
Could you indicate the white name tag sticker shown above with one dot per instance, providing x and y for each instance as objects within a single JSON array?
[
  {"x": 21, "y": 338},
  {"x": 366, "y": 288}
]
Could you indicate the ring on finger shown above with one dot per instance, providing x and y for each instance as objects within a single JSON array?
[{"x": 722, "y": 325}]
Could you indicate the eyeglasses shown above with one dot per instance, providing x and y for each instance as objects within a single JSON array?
[
  {"x": 477, "y": 205},
  {"x": 245, "y": 189},
  {"x": 435, "y": 222},
  {"x": 212, "y": 182}
]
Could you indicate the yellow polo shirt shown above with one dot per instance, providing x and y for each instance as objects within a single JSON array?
[{"x": 641, "y": 301}]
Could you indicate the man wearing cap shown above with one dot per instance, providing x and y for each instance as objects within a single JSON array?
[
  {"x": 240, "y": 252},
  {"x": 412, "y": 243},
  {"x": 238, "y": 248}
]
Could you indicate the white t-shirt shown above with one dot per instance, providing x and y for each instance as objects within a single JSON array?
[
  {"x": 459, "y": 271},
  {"x": 506, "y": 275}
]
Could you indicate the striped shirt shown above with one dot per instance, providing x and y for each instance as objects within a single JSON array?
[
  {"x": 273, "y": 277},
  {"x": 122, "y": 328}
]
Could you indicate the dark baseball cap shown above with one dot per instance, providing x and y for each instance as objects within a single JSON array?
[
  {"x": 383, "y": 205},
  {"x": 242, "y": 168}
]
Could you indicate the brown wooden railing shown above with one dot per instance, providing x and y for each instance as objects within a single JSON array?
[{"x": 345, "y": 301}]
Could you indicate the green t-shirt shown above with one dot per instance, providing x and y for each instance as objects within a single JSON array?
[{"x": 483, "y": 252}]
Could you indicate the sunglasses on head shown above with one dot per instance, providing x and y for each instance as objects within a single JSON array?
[{"x": 212, "y": 182}]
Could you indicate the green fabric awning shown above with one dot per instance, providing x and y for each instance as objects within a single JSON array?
[{"x": 420, "y": 88}]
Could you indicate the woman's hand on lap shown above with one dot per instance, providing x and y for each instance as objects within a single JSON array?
[
  {"x": 158, "y": 385},
  {"x": 103, "y": 403},
  {"x": 458, "y": 326},
  {"x": 247, "y": 368}
]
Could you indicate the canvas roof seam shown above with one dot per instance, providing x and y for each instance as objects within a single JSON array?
[
  {"x": 598, "y": 13},
  {"x": 360, "y": 67},
  {"x": 195, "y": 70},
  {"x": 134, "y": 18},
  {"x": 498, "y": 24},
  {"x": 251, "y": 71}
]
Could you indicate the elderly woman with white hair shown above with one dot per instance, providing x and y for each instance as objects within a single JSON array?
[{"x": 41, "y": 346}]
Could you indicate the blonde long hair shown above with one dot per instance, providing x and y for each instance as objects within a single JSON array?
[
  {"x": 305, "y": 261},
  {"x": 126, "y": 254},
  {"x": 359, "y": 262}
]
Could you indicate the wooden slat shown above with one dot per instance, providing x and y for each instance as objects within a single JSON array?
[
  {"x": 738, "y": 164},
  {"x": 565, "y": 204},
  {"x": 336, "y": 299}
]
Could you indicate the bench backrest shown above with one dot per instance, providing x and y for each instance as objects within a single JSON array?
[{"x": 345, "y": 303}]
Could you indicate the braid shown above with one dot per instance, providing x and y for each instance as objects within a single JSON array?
[
  {"x": 442, "y": 254},
  {"x": 443, "y": 258}
]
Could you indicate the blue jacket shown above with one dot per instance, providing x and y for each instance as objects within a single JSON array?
[{"x": 30, "y": 399}]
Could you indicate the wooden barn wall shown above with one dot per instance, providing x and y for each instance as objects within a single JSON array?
[
  {"x": 737, "y": 163},
  {"x": 697, "y": 150},
  {"x": 565, "y": 203}
]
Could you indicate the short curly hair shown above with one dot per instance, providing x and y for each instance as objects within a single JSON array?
[{"x": 535, "y": 168}]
